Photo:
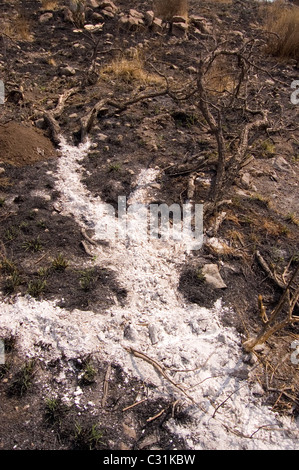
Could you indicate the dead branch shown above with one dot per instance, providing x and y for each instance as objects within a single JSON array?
[
  {"x": 50, "y": 117},
  {"x": 103, "y": 105},
  {"x": 159, "y": 368},
  {"x": 106, "y": 385},
  {"x": 271, "y": 324}
]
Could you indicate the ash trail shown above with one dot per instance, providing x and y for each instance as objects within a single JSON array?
[
  {"x": 148, "y": 268},
  {"x": 187, "y": 337}
]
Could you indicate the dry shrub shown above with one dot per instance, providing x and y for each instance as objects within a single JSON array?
[
  {"x": 221, "y": 77},
  {"x": 282, "y": 22},
  {"x": 129, "y": 70},
  {"x": 49, "y": 4},
  {"x": 167, "y": 9},
  {"x": 18, "y": 27}
]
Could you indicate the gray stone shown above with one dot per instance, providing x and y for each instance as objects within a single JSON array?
[
  {"x": 213, "y": 277},
  {"x": 281, "y": 164},
  {"x": 245, "y": 180},
  {"x": 153, "y": 334},
  {"x": 179, "y": 30},
  {"x": 67, "y": 70},
  {"x": 257, "y": 390},
  {"x": 130, "y": 333},
  {"x": 149, "y": 17}
]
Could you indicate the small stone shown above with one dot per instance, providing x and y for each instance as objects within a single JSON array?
[
  {"x": 93, "y": 3},
  {"x": 157, "y": 25},
  {"x": 178, "y": 19},
  {"x": 67, "y": 70},
  {"x": 179, "y": 29},
  {"x": 129, "y": 432},
  {"x": 153, "y": 334},
  {"x": 281, "y": 164},
  {"x": 108, "y": 4},
  {"x": 108, "y": 13},
  {"x": 213, "y": 277},
  {"x": 136, "y": 14},
  {"x": 149, "y": 17},
  {"x": 40, "y": 123},
  {"x": 102, "y": 137},
  {"x": 245, "y": 180},
  {"x": 258, "y": 390},
  {"x": 45, "y": 17},
  {"x": 130, "y": 333}
]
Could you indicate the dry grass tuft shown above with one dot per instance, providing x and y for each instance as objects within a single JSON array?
[
  {"x": 167, "y": 9},
  {"x": 282, "y": 22},
  {"x": 129, "y": 70},
  {"x": 49, "y": 4},
  {"x": 18, "y": 28},
  {"x": 221, "y": 77}
]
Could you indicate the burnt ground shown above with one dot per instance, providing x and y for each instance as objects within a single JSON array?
[{"x": 43, "y": 252}]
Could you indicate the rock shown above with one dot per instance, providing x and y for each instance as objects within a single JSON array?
[
  {"x": 67, "y": 15},
  {"x": 129, "y": 431},
  {"x": 102, "y": 137},
  {"x": 97, "y": 16},
  {"x": 45, "y": 17},
  {"x": 281, "y": 164},
  {"x": 213, "y": 277},
  {"x": 149, "y": 17},
  {"x": 108, "y": 13},
  {"x": 153, "y": 334},
  {"x": 245, "y": 180},
  {"x": 192, "y": 69},
  {"x": 179, "y": 30},
  {"x": 129, "y": 22},
  {"x": 130, "y": 333},
  {"x": 92, "y": 3},
  {"x": 201, "y": 23},
  {"x": 67, "y": 70},
  {"x": 179, "y": 19},
  {"x": 136, "y": 14},
  {"x": 40, "y": 123},
  {"x": 257, "y": 390},
  {"x": 108, "y": 5},
  {"x": 157, "y": 25}
]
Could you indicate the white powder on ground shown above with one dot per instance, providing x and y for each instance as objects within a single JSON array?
[{"x": 162, "y": 325}]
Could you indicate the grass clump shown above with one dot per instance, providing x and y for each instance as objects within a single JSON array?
[
  {"x": 59, "y": 263},
  {"x": 54, "y": 410},
  {"x": 88, "y": 373},
  {"x": 36, "y": 287},
  {"x": 167, "y": 9},
  {"x": 87, "y": 437},
  {"x": 33, "y": 245},
  {"x": 23, "y": 379},
  {"x": 129, "y": 70},
  {"x": 87, "y": 279},
  {"x": 282, "y": 22}
]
